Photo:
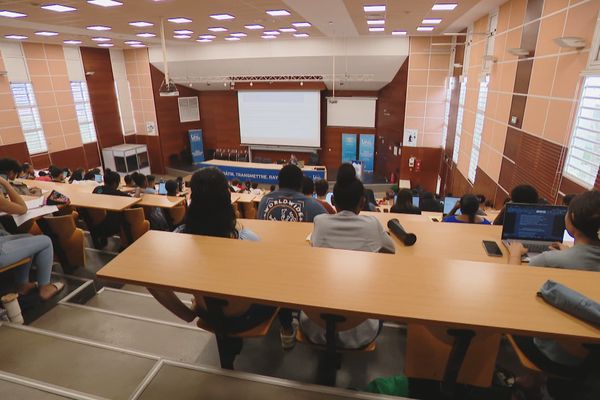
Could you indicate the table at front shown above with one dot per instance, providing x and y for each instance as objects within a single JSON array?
[{"x": 257, "y": 172}]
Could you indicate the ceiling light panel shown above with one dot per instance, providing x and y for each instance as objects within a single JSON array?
[
  {"x": 58, "y": 8},
  {"x": 146, "y": 35},
  {"x": 238, "y": 34},
  {"x": 301, "y": 35},
  {"x": 72, "y": 42},
  {"x": 105, "y": 44},
  {"x": 11, "y": 14},
  {"x": 182, "y": 36},
  {"x": 141, "y": 24},
  {"x": 374, "y": 8},
  {"x": 272, "y": 33},
  {"x": 278, "y": 13},
  {"x": 431, "y": 21},
  {"x": 99, "y": 28},
  {"x": 217, "y": 29},
  {"x": 425, "y": 28},
  {"x": 232, "y": 38},
  {"x": 101, "y": 39},
  {"x": 183, "y": 32},
  {"x": 15, "y": 37},
  {"x": 105, "y": 3},
  {"x": 444, "y": 7},
  {"x": 399, "y": 33},
  {"x": 269, "y": 37},
  {"x": 376, "y": 22},
  {"x": 204, "y": 40},
  {"x": 302, "y": 24},
  {"x": 254, "y": 27},
  {"x": 376, "y": 29},
  {"x": 179, "y": 20},
  {"x": 46, "y": 33},
  {"x": 209, "y": 37},
  {"x": 287, "y": 30},
  {"x": 222, "y": 17}
]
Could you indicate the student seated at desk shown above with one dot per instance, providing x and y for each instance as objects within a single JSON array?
[
  {"x": 347, "y": 230},
  {"x": 27, "y": 171},
  {"x": 255, "y": 190},
  {"x": 150, "y": 184},
  {"x": 155, "y": 215},
  {"x": 321, "y": 189},
  {"x": 77, "y": 175},
  {"x": 111, "y": 185},
  {"x": 404, "y": 204},
  {"x": 9, "y": 169},
  {"x": 57, "y": 174},
  {"x": 91, "y": 174},
  {"x": 111, "y": 225},
  {"x": 14, "y": 248},
  {"x": 172, "y": 187},
  {"x": 469, "y": 208},
  {"x": 287, "y": 203},
  {"x": 141, "y": 183},
  {"x": 370, "y": 203},
  {"x": 308, "y": 186},
  {"x": 583, "y": 223},
  {"x": 211, "y": 213},
  {"x": 525, "y": 194},
  {"x": 43, "y": 176},
  {"x": 428, "y": 202}
]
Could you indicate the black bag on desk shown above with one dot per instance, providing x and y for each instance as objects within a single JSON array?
[{"x": 571, "y": 302}]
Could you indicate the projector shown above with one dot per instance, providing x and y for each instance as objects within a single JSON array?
[
  {"x": 168, "y": 89},
  {"x": 332, "y": 101}
]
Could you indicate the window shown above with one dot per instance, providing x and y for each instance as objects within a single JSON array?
[
  {"x": 449, "y": 88},
  {"x": 583, "y": 158},
  {"x": 29, "y": 117},
  {"x": 83, "y": 108},
  {"x": 459, "y": 117},
  {"x": 479, "y": 120}
]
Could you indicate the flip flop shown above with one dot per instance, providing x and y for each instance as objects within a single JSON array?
[{"x": 59, "y": 286}]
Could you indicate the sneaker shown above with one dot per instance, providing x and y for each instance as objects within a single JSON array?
[{"x": 288, "y": 341}]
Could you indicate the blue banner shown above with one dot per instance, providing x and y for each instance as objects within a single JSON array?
[
  {"x": 197, "y": 146},
  {"x": 348, "y": 147},
  {"x": 258, "y": 175},
  {"x": 367, "y": 152}
]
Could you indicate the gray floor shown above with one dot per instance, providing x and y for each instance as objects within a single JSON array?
[{"x": 13, "y": 391}]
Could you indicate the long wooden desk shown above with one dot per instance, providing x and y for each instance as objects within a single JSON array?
[
  {"x": 498, "y": 297},
  {"x": 158, "y": 200}
]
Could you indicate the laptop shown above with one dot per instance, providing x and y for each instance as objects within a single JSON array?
[
  {"x": 536, "y": 226},
  {"x": 98, "y": 178},
  {"x": 449, "y": 203},
  {"x": 416, "y": 200}
]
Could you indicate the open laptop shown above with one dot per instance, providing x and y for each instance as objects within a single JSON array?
[
  {"x": 416, "y": 200},
  {"x": 536, "y": 226},
  {"x": 449, "y": 203}
]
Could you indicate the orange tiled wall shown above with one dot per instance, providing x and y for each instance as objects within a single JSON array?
[
  {"x": 137, "y": 65},
  {"x": 10, "y": 128},
  {"x": 425, "y": 96}
]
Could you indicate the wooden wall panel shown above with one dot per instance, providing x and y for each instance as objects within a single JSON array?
[
  {"x": 460, "y": 184},
  {"x": 220, "y": 120},
  {"x": 70, "y": 158},
  {"x": 103, "y": 98},
  {"x": 431, "y": 159},
  {"x": 92, "y": 156},
  {"x": 16, "y": 151},
  {"x": 331, "y": 144},
  {"x": 40, "y": 161}
]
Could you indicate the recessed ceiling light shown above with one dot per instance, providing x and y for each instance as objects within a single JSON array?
[
  {"x": 11, "y": 14},
  {"x": 46, "y": 33},
  {"x": 15, "y": 37},
  {"x": 141, "y": 24},
  {"x": 254, "y": 26},
  {"x": 238, "y": 34},
  {"x": 180, "y": 20},
  {"x": 137, "y": 45},
  {"x": 232, "y": 38},
  {"x": 287, "y": 30},
  {"x": 183, "y": 32},
  {"x": 222, "y": 17},
  {"x": 58, "y": 8},
  {"x": 301, "y": 35},
  {"x": 399, "y": 33},
  {"x": 105, "y": 3},
  {"x": 278, "y": 13},
  {"x": 444, "y": 7},
  {"x": 302, "y": 24},
  {"x": 182, "y": 36},
  {"x": 130, "y": 42},
  {"x": 269, "y": 37},
  {"x": 271, "y": 33},
  {"x": 209, "y": 37},
  {"x": 204, "y": 40},
  {"x": 376, "y": 29},
  {"x": 425, "y": 28},
  {"x": 99, "y": 28},
  {"x": 374, "y": 8},
  {"x": 101, "y": 39},
  {"x": 146, "y": 34},
  {"x": 72, "y": 42},
  {"x": 217, "y": 29},
  {"x": 105, "y": 44},
  {"x": 431, "y": 21},
  {"x": 376, "y": 22}
]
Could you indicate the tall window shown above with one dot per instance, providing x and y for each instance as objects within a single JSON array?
[
  {"x": 583, "y": 158},
  {"x": 459, "y": 118},
  {"x": 29, "y": 117},
  {"x": 84, "y": 111},
  {"x": 449, "y": 88},
  {"x": 479, "y": 119}
]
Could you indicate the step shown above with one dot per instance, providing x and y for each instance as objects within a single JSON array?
[
  {"x": 177, "y": 342},
  {"x": 72, "y": 364},
  {"x": 15, "y": 391}
]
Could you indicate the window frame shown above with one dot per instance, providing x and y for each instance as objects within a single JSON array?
[
  {"x": 462, "y": 95},
  {"x": 34, "y": 113},
  {"x": 85, "y": 120},
  {"x": 478, "y": 128}
]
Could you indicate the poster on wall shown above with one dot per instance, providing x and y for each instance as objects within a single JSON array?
[
  {"x": 348, "y": 147},
  {"x": 196, "y": 145},
  {"x": 410, "y": 137},
  {"x": 366, "y": 151}
]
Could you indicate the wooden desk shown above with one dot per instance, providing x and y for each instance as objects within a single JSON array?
[
  {"x": 497, "y": 297},
  {"x": 160, "y": 201},
  {"x": 235, "y": 197},
  {"x": 246, "y": 198}
]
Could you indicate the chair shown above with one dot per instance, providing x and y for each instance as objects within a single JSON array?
[
  {"x": 249, "y": 210},
  {"x": 134, "y": 225},
  {"x": 331, "y": 356},
  {"x": 14, "y": 265},
  {"x": 68, "y": 241},
  {"x": 176, "y": 216}
]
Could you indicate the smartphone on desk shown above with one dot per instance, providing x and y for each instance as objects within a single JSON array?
[{"x": 492, "y": 249}]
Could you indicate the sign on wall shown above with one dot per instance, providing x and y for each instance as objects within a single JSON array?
[{"x": 410, "y": 137}]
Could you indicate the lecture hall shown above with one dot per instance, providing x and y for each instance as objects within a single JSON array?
[{"x": 300, "y": 199}]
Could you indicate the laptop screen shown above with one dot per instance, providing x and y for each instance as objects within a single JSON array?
[
  {"x": 449, "y": 203},
  {"x": 534, "y": 222},
  {"x": 98, "y": 178},
  {"x": 416, "y": 200}
]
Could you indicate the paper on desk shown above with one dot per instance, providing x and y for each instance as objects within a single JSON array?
[
  {"x": 35, "y": 203},
  {"x": 309, "y": 237},
  {"x": 34, "y": 213}
]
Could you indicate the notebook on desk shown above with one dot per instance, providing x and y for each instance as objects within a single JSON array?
[{"x": 535, "y": 226}]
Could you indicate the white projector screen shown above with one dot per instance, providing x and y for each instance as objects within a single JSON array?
[
  {"x": 352, "y": 111},
  {"x": 280, "y": 118}
]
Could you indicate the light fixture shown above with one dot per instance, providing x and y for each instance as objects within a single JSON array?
[
  {"x": 425, "y": 28},
  {"x": 374, "y": 8},
  {"x": 399, "y": 33},
  {"x": 518, "y": 51},
  {"x": 278, "y": 13},
  {"x": 431, "y": 21},
  {"x": 444, "y": 7},
  {"x": 271, "y": 33},
  {"x": 376, "y": 22},
  {"x": 180, "y": 20},
  {"x": 251, "y": 84},
  {"x": 167, "y": 87},
  {"x": 130, "y": 42},
  {"x": 209, "y": 37},
  {"x": 287, "y": 30},
  {"x": 301, "y": 83},
  {"x": 376, "y": 29},
  {"x": 101, "y": 39},
  {"x": 141, "y": 24},
  {"x": 138, "y": 45},
  {"x": 182, "y": 36},
  {"x": 58, "y": 8},
  {"x": 146, "y": 34},
  {"x": 15, "y": 37},
  {"x": 105, "y": 3},
  {"x": 105, "y": 44},
  {"x": 302, "y": 24},
  {"x": 254, "y": 27},
  {"x": 232, "y": 38},
  {"x": 269, "y": 37},
  {"x": 301, "y": 35},
  {"x": 183, "y": 32},
  {"x": 570, "y": 42},
  {"x": 204, "y": 40},
  {"x": 222, "y": 17},
  {"x": 11, "y": 14},
  {"x": 46, "y": 33},
  {"x": 217, "y": 29},
  {"x": 99, "y": 28},
  {"x": 238, "y": 34},
  {"x": 72, "y": 42}
]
